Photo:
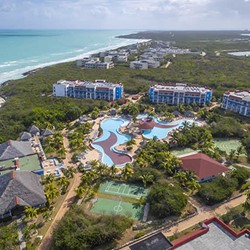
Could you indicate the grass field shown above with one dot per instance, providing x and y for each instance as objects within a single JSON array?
[
  {"x": 118, "y": 207},
  {"x": 182, "y": 151},
  {"x": 228, "y": 144},
  {"x": 122, "y": 189}
]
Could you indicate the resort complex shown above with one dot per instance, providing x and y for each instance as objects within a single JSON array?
[
  {"x": 154, "y": 162},
  {"x": 180, "y": 93},
  {"x": 100, "y": 90},
  {"x": 237, "y": 101}
]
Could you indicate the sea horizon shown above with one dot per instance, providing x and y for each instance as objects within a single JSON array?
[{"x": 29, "y": 49}]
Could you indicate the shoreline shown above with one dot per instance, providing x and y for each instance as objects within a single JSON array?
[{"x": 90, "y": 53}]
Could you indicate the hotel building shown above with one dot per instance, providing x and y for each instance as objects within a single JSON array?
[
  {"x": 237, "y": 101},
  {"x": 180, "y": 93},
  {"x": 100, "y": 90}
]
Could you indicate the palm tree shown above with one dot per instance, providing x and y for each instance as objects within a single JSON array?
[
  {"x": 80, "y": 191},
  {"x": 113, "y": 171},
  {"x": 46, "y": 215},
  {"x": 127, "y": 171},
  {"x": 192, "y": 185},
  {"x": 63, "y": 182},
  {"x": 31, "y": 212},
  {"x": 51, "y": 192},
  {"x": 50, "y": 178},
  {"x": 181, "y": 177},
  {"x": 147, "y": 177}
]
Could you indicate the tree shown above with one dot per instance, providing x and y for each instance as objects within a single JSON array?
[
  {"x": 51, "y": 192},
  {"x": 80, "y": 191},
  {"x": 127, "y": 171},
  {"x": 50, "y": 178},
  {"x": 78, "y": 230},
  {"x": 218, "y": 190},
  {"x": 47, "y": 215},
  {"x": 246, "y": 205},
  {"x": 113, "y": 171},
  {"x": 31, "y": 212},
  {"x": 166, "y": 200},
  {"x": 147, "y": 178},
  {"x": 241, "y": 175}
]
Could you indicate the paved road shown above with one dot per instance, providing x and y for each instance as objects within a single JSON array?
[{"x": 47, "y": 240}]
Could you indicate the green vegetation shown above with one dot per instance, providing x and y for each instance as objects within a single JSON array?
[
  {"x": 80, "y": 231},
  {"x": 217, "y": 190},
  {"x": 165, "y": 200},
  {"x": 29, "y": 99},
  {"x": 8, "y": 237}
]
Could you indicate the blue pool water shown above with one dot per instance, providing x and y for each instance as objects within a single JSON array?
[
  {"x": 111, "y": 125},
  {"x": 162, "y": 133}
]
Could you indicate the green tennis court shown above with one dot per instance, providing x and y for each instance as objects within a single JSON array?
[
  {"x": 118, "y": 207},
  {"x": 122, "y": 189},
  {"x": 227, "y": 145}
]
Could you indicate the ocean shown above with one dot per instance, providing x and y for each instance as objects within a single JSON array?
[{"x": 25, "y": 50}]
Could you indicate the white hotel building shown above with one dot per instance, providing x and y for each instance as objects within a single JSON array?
[
  {"x": 99, "y": 90},
  {"x": 237, "y": 101},
  {"x": 179, "y": 93}
]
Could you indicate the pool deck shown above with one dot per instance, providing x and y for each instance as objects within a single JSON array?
[{"x": 117, "y": 158}]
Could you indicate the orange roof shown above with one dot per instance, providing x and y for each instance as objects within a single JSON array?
[{"x": 202, "y": 165}]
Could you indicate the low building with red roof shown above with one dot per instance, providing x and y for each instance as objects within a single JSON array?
[{"x": 204, "y": 167}]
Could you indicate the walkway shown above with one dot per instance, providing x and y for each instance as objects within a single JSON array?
[
  {"x": 47, "y": 240},
  {"x": 203, "y": 215},
  {"x": 22, "y": 243}
]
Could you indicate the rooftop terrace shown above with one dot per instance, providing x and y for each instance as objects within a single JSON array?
[
  {"x": 179, "y": 87},
  {"x": 89, "y": 84},
  {"x": 27, "y": 163}
]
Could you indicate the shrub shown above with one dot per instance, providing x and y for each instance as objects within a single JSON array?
[
  {"x": 139, "y": 235},
  {"x": 166, "y": 200},
  {"x": 218, "y": 190}
]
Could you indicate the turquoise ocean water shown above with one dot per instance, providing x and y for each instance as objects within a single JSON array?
[{"x": 25, "y": 50}]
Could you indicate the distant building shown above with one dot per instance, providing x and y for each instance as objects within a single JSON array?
[
  {"x": 20, "y": 189},
  {"x": 94, "y": 63},
  {"x": 100, "y": 90},
  {"x": 138, "y": 65},
  {"x": 204, "y": 167},
  {"x": 180, "y": 93},
  {"x": 237, "y": 101}
]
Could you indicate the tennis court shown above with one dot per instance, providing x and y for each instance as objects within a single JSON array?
[
  {"x": 122, "y": 189},
  {"x": 118, "y": 207},
  {"x": 227, "y": 145}
]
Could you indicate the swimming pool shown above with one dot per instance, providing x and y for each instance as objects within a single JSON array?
[
  {"x": 161, "y": 132},
  {"x": 111, "y": 137}
]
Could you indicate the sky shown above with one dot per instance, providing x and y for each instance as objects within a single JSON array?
[{"x": 125, "y": 14}]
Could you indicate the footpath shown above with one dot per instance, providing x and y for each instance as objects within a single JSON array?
[{"x": 47, "y": 240}]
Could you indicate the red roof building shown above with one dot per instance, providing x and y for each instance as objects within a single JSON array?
[{"x": 203, "y": 166}]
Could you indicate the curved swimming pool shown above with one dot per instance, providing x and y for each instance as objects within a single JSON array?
[
  {"x": 159, "y": 131},
  {"x": 110, "y": 138}
]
